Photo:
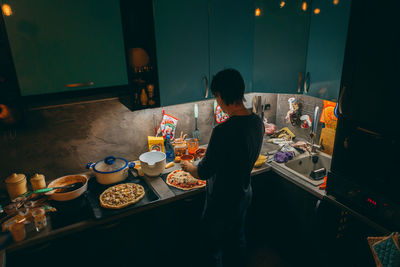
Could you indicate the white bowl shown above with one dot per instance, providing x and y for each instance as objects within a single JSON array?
[{"x": 153, "y": 163}]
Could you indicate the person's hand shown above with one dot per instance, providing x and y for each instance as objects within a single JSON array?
[{"x": 189, "y": 167}]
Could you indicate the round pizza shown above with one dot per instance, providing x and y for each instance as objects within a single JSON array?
[
  {"x": 121, "y": 195},
  {"x": 184, "y": 180}
]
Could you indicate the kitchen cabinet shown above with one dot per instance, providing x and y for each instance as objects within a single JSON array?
[
  {"x": 66, "y": 46},
  {"x": 326, "y": 46},
  {"x": 195, "y": 40},
  {"x": 232, "y": 38},
  {"x": 280, "y": 45},
  {"x": 181, "y": 30}
]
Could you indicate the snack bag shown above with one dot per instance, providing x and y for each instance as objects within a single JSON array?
[
  {"x": 156, "y": 143},
  {"x": 167, "y": 126},
  {"x": 220, "y": 115}
]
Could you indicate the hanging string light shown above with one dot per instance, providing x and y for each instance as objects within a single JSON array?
[{"x": 258, "y": 12}]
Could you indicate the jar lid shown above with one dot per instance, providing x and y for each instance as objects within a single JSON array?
[
  {"x": 37, "y": 177},
  {"x": 15, "y": 178}
]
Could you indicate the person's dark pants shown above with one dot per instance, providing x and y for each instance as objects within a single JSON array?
[{"x": 225, "y": 240}]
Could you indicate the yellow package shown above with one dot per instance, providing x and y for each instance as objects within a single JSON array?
[{"x": 156, "y": 143}]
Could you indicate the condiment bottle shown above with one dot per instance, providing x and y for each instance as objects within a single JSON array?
[
  {"x": 16, "y": 185},
  {"x": 38, "y": 181}
]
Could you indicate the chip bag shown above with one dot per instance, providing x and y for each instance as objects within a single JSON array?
[{"x": 167, "y": 126}]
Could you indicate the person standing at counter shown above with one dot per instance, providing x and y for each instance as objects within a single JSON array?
[{"x": 233, "y": 148}]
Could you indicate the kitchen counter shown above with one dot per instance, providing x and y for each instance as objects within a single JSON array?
[{"x": 166, "y": 195}]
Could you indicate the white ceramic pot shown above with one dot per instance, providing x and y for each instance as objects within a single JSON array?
[
  {"x": 111, "y": 170},
  {"x": 153, "y": 163}
]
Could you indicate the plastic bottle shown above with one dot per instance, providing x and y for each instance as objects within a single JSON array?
[{"x": 169, "y": 150}]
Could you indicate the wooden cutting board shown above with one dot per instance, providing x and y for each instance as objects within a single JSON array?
[{"x": 327, "y": 140}]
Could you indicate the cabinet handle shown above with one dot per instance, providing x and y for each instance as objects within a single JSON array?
[
  {"x": 299, "y": 87},
  {"x": 340, "y": 100},
  {"x": 306, "y": 83},
  {"x": 74, "y": 85},
  {"x": 205, "y": 78}
]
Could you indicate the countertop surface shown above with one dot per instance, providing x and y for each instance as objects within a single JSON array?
[{"x": 165, "y": 194}]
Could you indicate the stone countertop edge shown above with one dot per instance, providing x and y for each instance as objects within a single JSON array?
[{"x": 319, "y": 193}]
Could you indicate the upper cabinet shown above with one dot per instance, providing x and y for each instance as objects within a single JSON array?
[
  {"x": 280, "y": 45},
  {"x": 232, "y": 38},
  {"x": 195, "y": 40},
  {"x": 326, "y": 46},
  {"x": 66, "y": 45},
  {"x": 181, "y": 31}
]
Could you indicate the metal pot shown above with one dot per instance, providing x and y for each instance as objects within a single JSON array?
[
  {"x": 66, "y": 180},
  {"x": 110, "y": 170},
  {"x": 153, "y": 163}
]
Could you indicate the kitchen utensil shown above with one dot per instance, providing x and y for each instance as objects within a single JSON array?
[
  {"x": 189, "y": 158},
  {"x": 65, "y": 188},
  {"x": 196, "y": 132},
  {"x": 153, "y": 163},
  {"x": 262, "y": 109},
  {"x": 110, "y": 170},
  {"x": 67, "y": 180}
]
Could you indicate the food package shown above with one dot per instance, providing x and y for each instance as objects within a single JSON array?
[
  {"x": 260, "y": 161},
  {"x": 167, "y": 126},
  {"x": 156, "y": 143},
  {"x": 270, "y": 128},
  {"x": 328, "y": 116}
]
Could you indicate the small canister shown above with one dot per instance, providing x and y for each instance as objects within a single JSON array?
[
  {"x": 16, "y": 185},
  {"x": 38, "y": 182}
]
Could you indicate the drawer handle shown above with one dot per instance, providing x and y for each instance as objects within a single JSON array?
[{"x": 74, "y": 85}]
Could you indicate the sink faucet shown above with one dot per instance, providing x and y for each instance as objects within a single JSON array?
[{"x": 313, "y": 133}]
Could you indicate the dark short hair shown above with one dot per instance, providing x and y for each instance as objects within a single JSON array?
[{"x": 229, "y": 84}]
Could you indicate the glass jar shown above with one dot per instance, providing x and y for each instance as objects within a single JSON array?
[{"x": 180, "y": 148}]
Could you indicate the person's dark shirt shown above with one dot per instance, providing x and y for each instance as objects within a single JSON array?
[{"x": 232, "y": 151}]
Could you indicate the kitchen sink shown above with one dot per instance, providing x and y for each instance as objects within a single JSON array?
[{"x": 310, "y": 168}]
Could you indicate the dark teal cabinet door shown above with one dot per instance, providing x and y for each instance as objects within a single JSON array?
[
  {"x": 328, "y": 33},
  {"x": 231, "y": 37},
  {"x": 280, "y": 45},
  {"x": 66, "y": 45},
  {"x": 181, "y": 30}
]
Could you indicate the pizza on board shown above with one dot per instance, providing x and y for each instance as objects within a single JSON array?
[
  {"x": 184, "y": 180},
  {"x": 121, "y": 195}
]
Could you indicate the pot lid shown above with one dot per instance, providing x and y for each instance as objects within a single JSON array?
[
  {"x": 15, "y": 178},
  {"x": 110, "y": 164}
]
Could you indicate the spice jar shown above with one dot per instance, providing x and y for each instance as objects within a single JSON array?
[
  {"x": 38, "y": 182},
  {"x": 16, "y": 185}
]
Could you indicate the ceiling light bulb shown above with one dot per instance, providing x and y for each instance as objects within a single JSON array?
[
  {"x": 317, "y": 11},
  {"x": 7, "y": 11},
  {"x": 282, "y": 4},
  {"x": 304, "y": 6},
  {"x": 258, "y": 12}
]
